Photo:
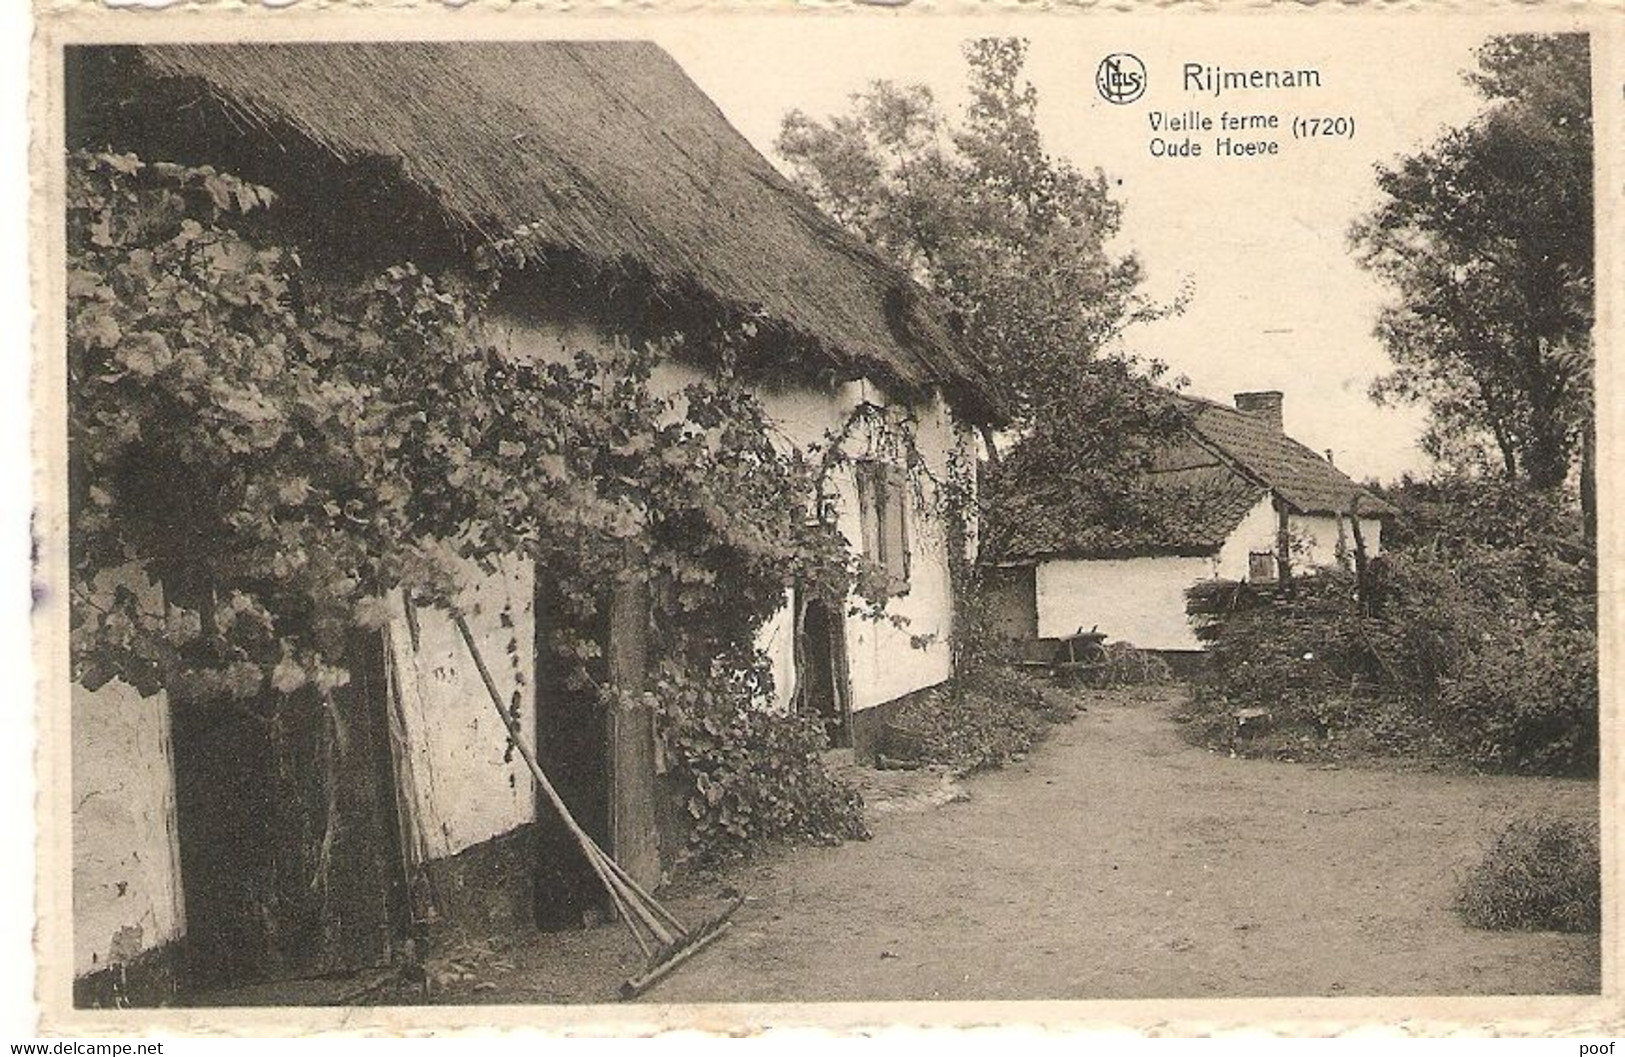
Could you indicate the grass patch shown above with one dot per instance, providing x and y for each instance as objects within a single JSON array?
[{"x": 1540, "y": 873}]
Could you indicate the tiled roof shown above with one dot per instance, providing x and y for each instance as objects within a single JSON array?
[
  {"x": 1197, "y": 492},
  {"x": 1308, "y": 482}
]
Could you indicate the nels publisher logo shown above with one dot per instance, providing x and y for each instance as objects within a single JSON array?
[{"x": 1120, "y": 78}]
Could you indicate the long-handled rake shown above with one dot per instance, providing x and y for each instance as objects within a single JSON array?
[{"x": 665, "y": 942}]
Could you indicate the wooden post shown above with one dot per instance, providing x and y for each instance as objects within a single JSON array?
[
  {"x": 798, "y": 649},
  {"x": 841, "y": 671},
  {"x": 1283, "y": 546},
  {"x": 633, "y": 831},
  {"x": 1362, "y": 574}
]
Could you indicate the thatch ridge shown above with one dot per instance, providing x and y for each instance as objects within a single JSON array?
[{"x": 606, "y": 150}]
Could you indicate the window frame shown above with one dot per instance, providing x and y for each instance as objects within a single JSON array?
[{"x": 884, "y": 520}]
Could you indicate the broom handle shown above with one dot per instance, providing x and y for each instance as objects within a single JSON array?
[
  {"x": 625, "y": 912},
  {"x": 596, "y": 856},
  {"x": 612, "y": 875},
  {"x": 654, "y": 904},
  {"x": 519, "y": 743}
]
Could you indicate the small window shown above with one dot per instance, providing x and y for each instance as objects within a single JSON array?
[
  {"x": 883, "y": 511},
  {"x": 1261, "y": 565}
]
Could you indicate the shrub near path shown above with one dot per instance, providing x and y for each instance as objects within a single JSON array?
[
  {"x": 1486, "y": 657},
  {"x": 1540, "y": 873}
]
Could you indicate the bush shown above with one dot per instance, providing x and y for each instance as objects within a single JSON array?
[
  {"x": 1488, "y": 653},
  {"x": 1304, "y": 657},
  {"x": 1007, "y": 688},
  {"x": 752, "y": 774},
  {"x": 1539, "y": 874},
  {"x": 1528, "y": 703}
]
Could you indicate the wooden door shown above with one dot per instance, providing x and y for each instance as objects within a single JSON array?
[
  {"x": 285, "y": 809},
  {"x": 823, "y": 684},
  {"x": 1010, "y": 596}
]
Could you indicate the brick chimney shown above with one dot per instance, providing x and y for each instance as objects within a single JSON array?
[{"x": 1264, "y": 405}]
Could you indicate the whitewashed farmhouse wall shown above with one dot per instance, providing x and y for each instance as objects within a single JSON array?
[
  {"x": 1133, "y": 600},
  {"x": 884, "y": 661},
  {"x": 127, "y": 896},
  {"x": 126, "y": 859},
  {"x": 459, "y": 791},
  {"x": 1142, "y": 600},
  {"x": 127, "y": 887}
]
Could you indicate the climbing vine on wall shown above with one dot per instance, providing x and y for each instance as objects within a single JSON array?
[
  {"x": 280, "y": 451},
  {"x": 313, "y": 447}
]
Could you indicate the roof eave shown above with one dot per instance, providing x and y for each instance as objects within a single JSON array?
[{"x": 1108, "y": 554}]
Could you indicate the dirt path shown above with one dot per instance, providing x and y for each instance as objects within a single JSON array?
[{"x": 1119, "y": 862}]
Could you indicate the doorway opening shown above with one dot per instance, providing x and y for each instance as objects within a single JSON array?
[
  {"x": 597, "y": 749},
  {"x": 823, "y": 683},
  {"x": 571, "y": 736}
]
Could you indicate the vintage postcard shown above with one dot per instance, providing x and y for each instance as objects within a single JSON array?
[{"x": 729, "y": 519}]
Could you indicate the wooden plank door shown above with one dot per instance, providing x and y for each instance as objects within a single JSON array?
[{"x": 285, "y": 809}]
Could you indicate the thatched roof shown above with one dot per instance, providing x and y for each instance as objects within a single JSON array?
[
  {"x": 1190, "y": 511},
  {"x": 607, "y": 152}
]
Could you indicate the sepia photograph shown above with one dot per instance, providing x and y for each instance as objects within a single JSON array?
[{"x": 882, "y": 509}]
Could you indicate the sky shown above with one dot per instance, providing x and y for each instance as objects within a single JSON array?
[{"x": 1278, "y": 300}]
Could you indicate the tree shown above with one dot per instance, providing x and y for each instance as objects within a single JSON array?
[
  {"x": 1012, "y": 239},
  {"x": 1486, "y": 237}
]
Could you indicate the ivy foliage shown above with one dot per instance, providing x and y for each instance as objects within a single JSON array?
[
  {"x": 750, "y": 774},
  {"x": 280, "y": 450}
]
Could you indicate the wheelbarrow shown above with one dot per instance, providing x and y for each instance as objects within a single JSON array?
[{"x": 1081, "y": 657}]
